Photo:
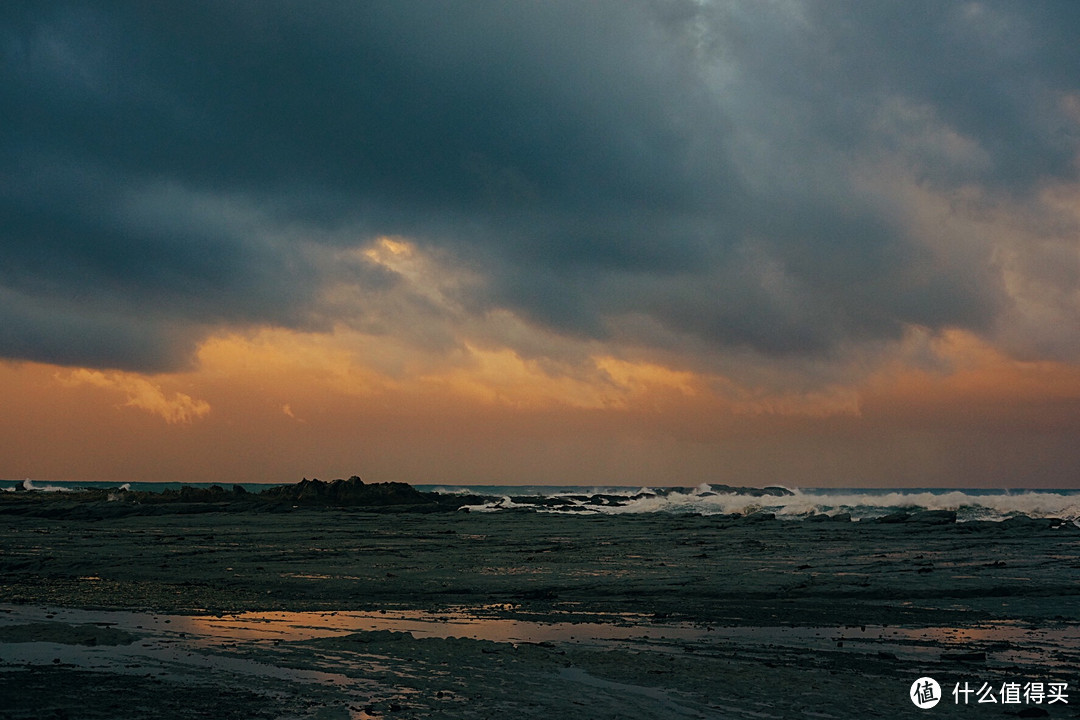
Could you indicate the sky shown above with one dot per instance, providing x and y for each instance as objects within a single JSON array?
[{"x": 632, "y": 242}]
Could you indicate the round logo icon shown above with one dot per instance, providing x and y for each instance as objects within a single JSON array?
[{"x": 925, "y": 693}]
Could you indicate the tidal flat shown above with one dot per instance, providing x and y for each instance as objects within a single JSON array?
[{"x": 346, "y": 613}]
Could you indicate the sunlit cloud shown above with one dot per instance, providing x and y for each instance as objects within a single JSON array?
[
  {"x": 960, "y": 379},
  {"x": 350, "y": 363},
  {"x": 141, "y": 393}
]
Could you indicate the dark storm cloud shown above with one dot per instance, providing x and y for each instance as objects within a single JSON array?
[
  {"x": 164, "y": 167},
  {"x": 992, "y": 71}
]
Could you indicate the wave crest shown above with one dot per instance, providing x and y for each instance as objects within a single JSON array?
[{"x": 794, "y": 503}]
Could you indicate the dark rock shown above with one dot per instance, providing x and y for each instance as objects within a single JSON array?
[
  {"x": 96, "y": 504},
  {"x": 934, "y": 517},
  {"x": 57, "y": 632},
  {"x": 715, "y": 489},
  {"x": 824, "y": 517},
  {"x": 893, "y": 518},
  {"x": 759, "y": 517},
  {"x": 351, "y": 492},
  {"x": 771, "y": 491},
  {"x": 539, "y": 594},
  {"x": 389, "y": 496},
  {"x": 1029, "y": 523}
]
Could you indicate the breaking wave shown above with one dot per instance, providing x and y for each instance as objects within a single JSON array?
[
  {"x": 30, "y": 485},
  {"x": 705, "y": 499},
  {"x": 794, "y": 503}
]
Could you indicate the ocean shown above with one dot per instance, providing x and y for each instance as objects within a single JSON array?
[{"x": 786, "y": 503}]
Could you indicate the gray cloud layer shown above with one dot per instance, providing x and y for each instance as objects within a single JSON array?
[{"x": 165, "y": 171}]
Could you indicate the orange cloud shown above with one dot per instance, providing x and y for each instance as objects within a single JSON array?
[
  {"x": 944, "y": 410},
  {"x": 141, "y": 393},
  {"x": 970, "y": 381}
]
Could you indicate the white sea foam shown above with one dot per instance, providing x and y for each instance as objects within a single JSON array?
[
  {"x": 697, "y": 502},
  {"x": 968, "y": 506},
  {"x": 442, "y": 490},
  {"x": 504, "y": 503},
  {"x": 117, "y": 496},
  {"x": 859, "y": 504},
  {"x": 29, "y": 484}
]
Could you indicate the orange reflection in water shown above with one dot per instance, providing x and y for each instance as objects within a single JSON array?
[
  {"x": 299, "y": 626},
  {"x": 1005, "y": 642}
]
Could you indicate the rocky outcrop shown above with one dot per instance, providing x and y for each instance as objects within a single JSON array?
[
  {"x": 351, "y": 492},
  {"x": 922, "y": 517},
  {"x": 354, "y": 492},
  {"x": 934, "y": 517},
  {"x": 120, "y": 501},
  {"x": 717, "y": 489},
  {"x": 825, "y": 517}
]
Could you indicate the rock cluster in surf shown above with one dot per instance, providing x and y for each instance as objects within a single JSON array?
[{"x": 351, "y": 493}]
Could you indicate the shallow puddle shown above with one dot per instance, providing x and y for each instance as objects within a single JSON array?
[
  {"x": 171, "y": 635},
  {"x": 356, "y": 660}
]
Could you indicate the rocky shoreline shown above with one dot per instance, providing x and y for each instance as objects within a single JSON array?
[
  {"x": 339, "y": 493},
  {"x": 119, "y": 501},
  {"x": 827, "y": 617}
]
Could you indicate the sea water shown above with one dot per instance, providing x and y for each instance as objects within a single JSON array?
[{"x": 785, "y": 503}]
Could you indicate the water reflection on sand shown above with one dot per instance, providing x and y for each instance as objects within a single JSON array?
[
  {"x": 1002, "y": 641},
  {"x": 367, "y": 663}
]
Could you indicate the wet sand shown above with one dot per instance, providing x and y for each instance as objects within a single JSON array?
[{"x": 672, "y": 616}]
